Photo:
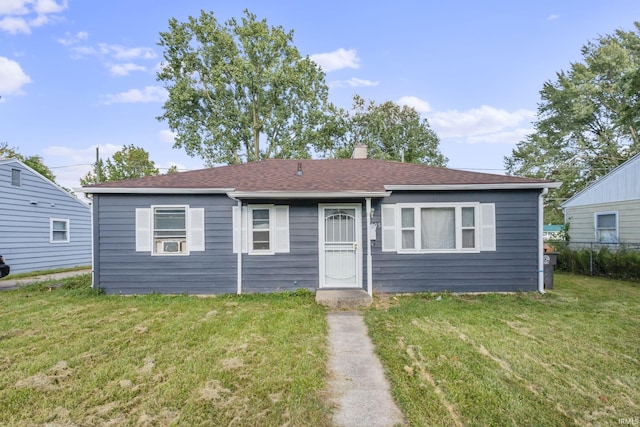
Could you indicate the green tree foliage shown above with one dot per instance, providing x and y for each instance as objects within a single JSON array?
[
  {"x": 129, "y": 162},
  {"x": 588, "y": 119},
  {"x": 34, "y": 162},
  {"x": 390, "y": 131},
  {"x": 240, "y": 91}
]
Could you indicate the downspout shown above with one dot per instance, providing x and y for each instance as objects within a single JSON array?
[
  {"x": 369, "y": 257},
  {"x": 541, "y": 240},
  {"x": 239, "y": 272}
]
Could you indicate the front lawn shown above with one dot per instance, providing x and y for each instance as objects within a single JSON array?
[
  {"x": 69, "y": 356},
  {"x": 569, "y": 357}
]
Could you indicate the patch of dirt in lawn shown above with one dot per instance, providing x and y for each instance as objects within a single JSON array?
[
  {"x": 165, "y": 417},
  {"x": 214, "y": 392},
  {"x": 141, "y": 329},
  {"x": 148, "y": 365},
  {"x": 51, "y": 380},
  {"x": 232, "y": 363}
]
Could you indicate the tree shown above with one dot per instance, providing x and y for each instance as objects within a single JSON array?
[
  {"x": 390, "y": 131},
  {"x": 34, "y": 162},
  {"x": 240, "y": 91},
  {"x": 129, "y": 162},
  {"x": 588, "y": 119}
]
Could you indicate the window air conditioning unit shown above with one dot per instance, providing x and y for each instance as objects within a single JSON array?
[{"x": 171, "y": 246}]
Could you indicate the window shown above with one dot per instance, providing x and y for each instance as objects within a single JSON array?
[
  {"x": 170, "y": 230},
  {"x": 261, "y": 229},
  {"x": 15, "y": 177},
  {"x": 606, "y": 227},
  {"x": 59, "y": 230},
  {"x": 438, "y": 227},
  {"x": 408, "y": 228}
]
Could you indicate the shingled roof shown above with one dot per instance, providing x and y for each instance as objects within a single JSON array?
[{"x": 318, "y": 176}]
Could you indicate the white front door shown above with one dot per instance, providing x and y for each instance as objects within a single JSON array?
[{"x": 340, "y": 229}]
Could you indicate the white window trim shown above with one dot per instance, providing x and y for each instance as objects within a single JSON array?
[
  {"x": 595, "y": 225},
  {"x": 272, "y": 229},
  {"x": 152, "y": 230},
  {"x": 68, "y": 230},
  {"x": 417, "y": 218}
]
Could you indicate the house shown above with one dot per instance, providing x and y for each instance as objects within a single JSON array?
[
  {"x": 43, "y": 227},
  {"x": 607, "y": 211},
  {"x": 355, "y": 223}
]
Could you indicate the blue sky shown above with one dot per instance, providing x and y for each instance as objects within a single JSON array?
[{"x": 76, "y": 74}]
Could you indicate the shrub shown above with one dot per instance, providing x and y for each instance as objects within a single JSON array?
[{"x": 616, "y": 264}]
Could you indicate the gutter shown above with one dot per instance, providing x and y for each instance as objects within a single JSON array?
[
  {"x": 369, "y": 256},
  {"x": 541, "y": 240},
  {"x": 495, "y": 186}
]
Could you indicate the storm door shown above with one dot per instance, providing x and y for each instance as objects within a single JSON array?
[{"x": 340, "y": 256}]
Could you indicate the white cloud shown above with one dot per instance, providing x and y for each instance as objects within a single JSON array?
[
  {"x": 552, "y": 17},
  {"x": 125, "y": 69},
  {"x": 353, "y": 82},
  {"x": 14, "y": 7},
  {"x": 14, "y": 25},
  {"x": 12, "y": 77},
  {"x": 337, "y": 60},
  {"x": 418, "y": 104},
  {"x": 50, "y": 6},
  {"x": 114, "y": 51},
  {"x": 20, "y": 16},
  {"x": 477, "y": 121},
  {"x": 148, "y": 94},
  {"x": 71, "y": 39},
  {"x": 167, "y": 136},
  {"x": 505, "y": 137},
  {"x": 121, "y": 52}
]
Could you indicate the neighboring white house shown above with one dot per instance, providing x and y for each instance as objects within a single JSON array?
[
  {"x": 42, "y": 226},
  {"x": 607, "y": 211}
]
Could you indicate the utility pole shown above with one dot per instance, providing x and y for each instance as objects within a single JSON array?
[{"x": 98, "y": 168}]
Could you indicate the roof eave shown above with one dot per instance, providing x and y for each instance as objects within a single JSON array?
[
  {"x": 155, "y": 190},
  {"x": 495, "y": 186},
  {"x": 306, "y": 194}
]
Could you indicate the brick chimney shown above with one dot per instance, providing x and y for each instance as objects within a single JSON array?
[{"x": 359, "y": 151}]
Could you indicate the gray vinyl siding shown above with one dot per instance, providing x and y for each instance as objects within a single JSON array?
[
  {"x": 287, "y": 271},
  {"x": 512, "y": 267},
  {"x": 122, "y": 270},
  {"x": 25, "y": 223},
  {"x": 581, "y": 221}
]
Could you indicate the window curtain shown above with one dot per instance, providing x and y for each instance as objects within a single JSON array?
[{"x": 438, "y": 228}]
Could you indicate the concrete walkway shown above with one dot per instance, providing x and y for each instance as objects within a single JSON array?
[
  {"x": 7, "y": 283},
  {"x": 359, "y": 389}
]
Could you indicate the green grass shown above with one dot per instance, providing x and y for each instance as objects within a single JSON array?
[
  {"x": 70, "y": 356},
  {"x": 44, "y": 272},
  {"x": 570, "y": 357}
]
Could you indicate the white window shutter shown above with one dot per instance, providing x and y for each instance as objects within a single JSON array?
[
  {"x": 388, "y": 228},
  {"x": 281, "y": 243},
  {"x": 487, "y": 227},
  {"x": 237, "y": 229},
  {"x": 196, "y": 229},
  {"x": 143, "y": 230},
  {"x": 240, "y": 229}
]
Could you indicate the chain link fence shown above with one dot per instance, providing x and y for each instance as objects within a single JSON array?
[{"x": 614, "y": 260}]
